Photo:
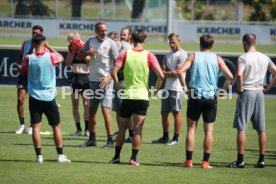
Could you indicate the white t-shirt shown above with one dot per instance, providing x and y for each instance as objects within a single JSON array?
[
  {"x": 174, "y": 60},
  {"x": 102, "y": 64},
  {"x": 256, "y": 65},
  {"x": 125, "y": 46}
]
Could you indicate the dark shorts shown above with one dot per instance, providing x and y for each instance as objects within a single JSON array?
[
  {"x": 79, "y": 82},
  {"x": 49, "y": 108},
  {"x": 206, "y": 107},
  {"x": 130, "y": 107},
  {"x": 22, "y": 82},
  {"x": 117, "y": 101}
]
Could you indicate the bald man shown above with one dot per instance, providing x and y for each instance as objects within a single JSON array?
[{"x": 252, "y": 68}]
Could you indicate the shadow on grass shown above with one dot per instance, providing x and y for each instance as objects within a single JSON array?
[
  {"x": 154, "y": 164},
  {"x": 7, "y": 132},
  {"x": 75, "y": 138},
  {"x": 66, "y": 146},
  {"x": 21, "y": 161},
  {"x": 269, "y": 154}
]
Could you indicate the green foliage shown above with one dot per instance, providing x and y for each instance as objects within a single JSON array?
[
  {"x": 32, "y": 7},
  {"x": 263, "y": 10}
]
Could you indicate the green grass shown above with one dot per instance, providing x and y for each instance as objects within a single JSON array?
[
  {"x": 237, "y": 48},
  {"x": 159, "y": 163}
]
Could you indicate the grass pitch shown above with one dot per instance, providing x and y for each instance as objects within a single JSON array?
[
  {"x": 159, "y": 163},
  {"x": 162, "y": 46}
]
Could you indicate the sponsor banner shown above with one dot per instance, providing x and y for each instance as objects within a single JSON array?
[
  {"x": 273, "y": 34},
  {"x": 157, "y": 31},
  {"x": 9, "y": 73},
  {"x": 61, "y": 28},
  {"x": 225, "y": 33}
]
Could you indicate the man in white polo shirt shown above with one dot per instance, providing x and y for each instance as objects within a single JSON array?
[{"x": 103, "y": 52}]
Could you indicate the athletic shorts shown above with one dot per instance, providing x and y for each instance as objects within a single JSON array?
[
  {"x": 250, "y": 106},
  {"x": 130, "y": 107},
  {"x": 79, "y": 82},
  {"x": 117, "y": 101},
  {"x": 205, "y": 106},
  {"x": 101, "y": 96},
  {"x": 22, "y": 82},
  {"x": 171, "y": 101},
  {"x": 49, "y": 108}
]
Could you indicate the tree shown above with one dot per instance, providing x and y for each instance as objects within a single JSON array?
[
  {"x": 21, "y": 8},
  {"x": 137, "y": 9},
  {"x": 76, "y": 8},
  {"x": 263, "y": 10},
  {"x": 39, "y": 9},
  {"x": 33, "y": 7}
]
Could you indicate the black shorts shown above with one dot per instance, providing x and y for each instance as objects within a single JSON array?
[
  {"x": 130, "y": 107},
  {"x": 22, "y": 82},
  {"x": 79, "y": 82},
  {"x": 206, "y": 107},
  {"x": 49, "y": 108}
]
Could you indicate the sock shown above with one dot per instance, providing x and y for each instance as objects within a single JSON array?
[
  {"x": 131, "y": 133},
  {"x": 206, "y": 156},
  {"x": 117, "y": 151},
  {"x": 134, "y": 154},
  {"x": 110, "y": 139},
  {"x": 38, "y": 151},
  {"x": 86, "y": 125},
  {"x": 175, "y": 137},
  {"x": 92, "y": 136},
  {"x": 189, "y": 155},
  {"x": 21, "y": 120},
  {"x": 261, "y": 158},
  {"x": 240, "y": 158},
  {"x": 60, "y": 151},
  {"x": 166, "y": 135},
  {"x": 78, "y": 125}
]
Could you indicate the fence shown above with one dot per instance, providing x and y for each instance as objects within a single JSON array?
[{"x": 152, "y": 10}]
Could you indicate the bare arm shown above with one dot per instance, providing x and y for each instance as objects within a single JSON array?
[
  {"x": 51, "y": 49},
  {"x": 183, "y": 68},
  {"x": 227, "y": 73},
  {"x": 240, "y": 72},
  {"x": 87, "y": 59},
  {"x": 70, "y": 56},
  {"x": 160, "y": 79},
  {"x": 167, "y": 72},
  {"x": 187, "y": 64},
  {"x": 272, "y": 69},
  {"x": 115, "y": 77}
]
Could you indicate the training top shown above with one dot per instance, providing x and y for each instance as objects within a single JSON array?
[
  {"x": 256, "y": 65},
  {"x": 78, "y": 67},
  {"x": 174, "y": 60},
  {"x": 125, "y": 46},
  {"x": 102, "y": 64},
  {"x": 136, "y": 64},
  {"x": 204, "y": 74},
  {"x": 25, "y": 48},
  {"x": 40, "y": 68}
]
